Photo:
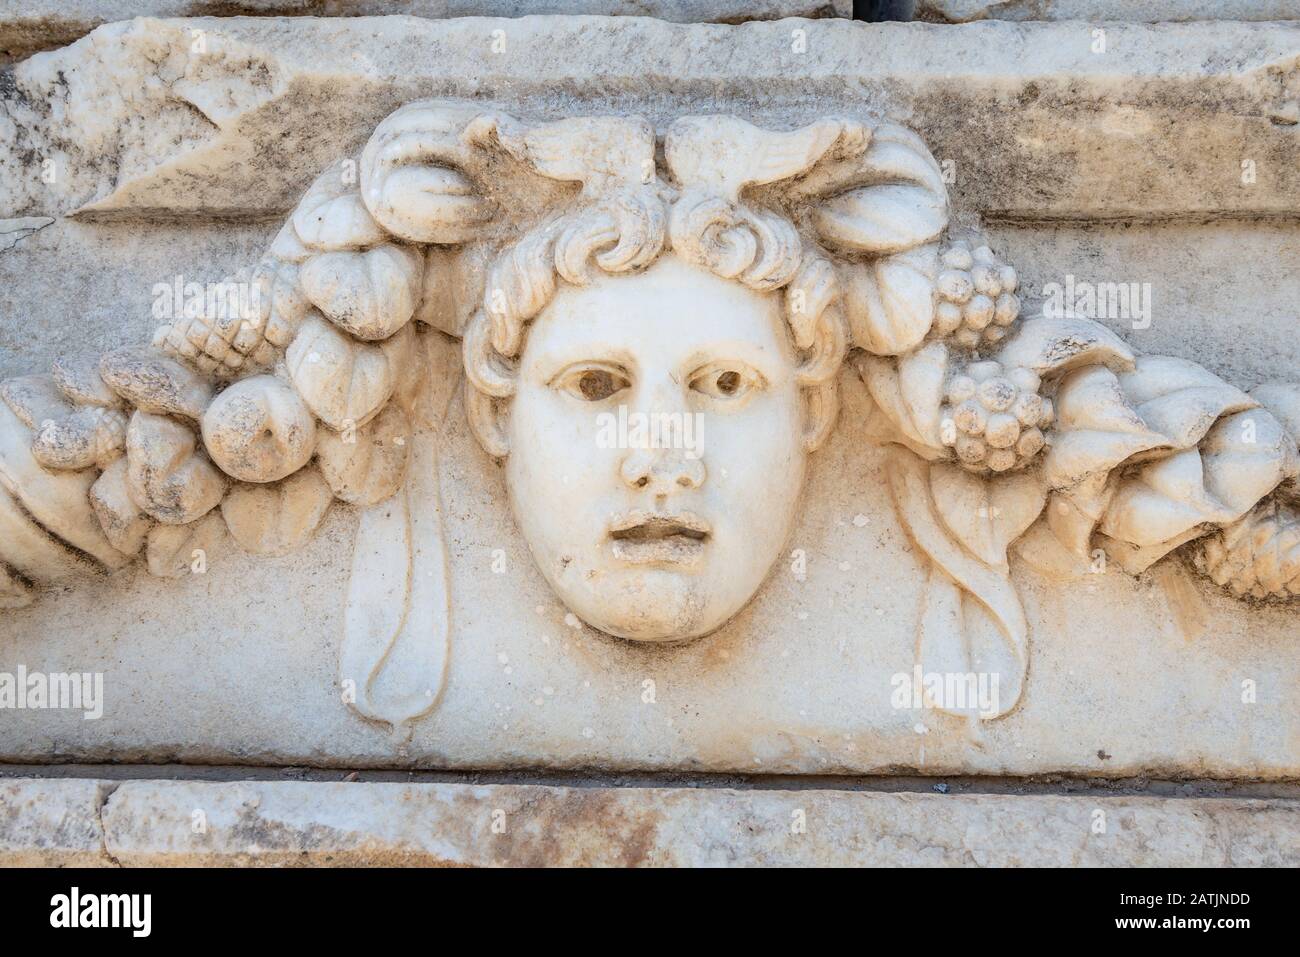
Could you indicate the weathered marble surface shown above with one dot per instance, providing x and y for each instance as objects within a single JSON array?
[
  {"x": 238, "y": 664},
  {"x": 1149, "y": 11},
  {"x": 235, "y": 672},
  {"x": 28, "y": 26},
  {"x": 1036, "y": 124},
  {"x": 179, "y": 823}
]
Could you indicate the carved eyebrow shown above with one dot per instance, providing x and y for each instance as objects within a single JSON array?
[
  {"x": 770, "y": 363},
  {"x": 553, "y": 361}
]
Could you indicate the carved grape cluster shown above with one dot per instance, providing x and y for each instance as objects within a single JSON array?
[
  {"x": 977, "y": 301},
  {"x": 994, "y": 418}
]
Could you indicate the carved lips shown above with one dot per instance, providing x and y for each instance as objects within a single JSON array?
[{"x": 656, "y": 538}]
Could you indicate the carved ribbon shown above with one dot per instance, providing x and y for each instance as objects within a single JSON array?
[{"x": 946, "y": 643}]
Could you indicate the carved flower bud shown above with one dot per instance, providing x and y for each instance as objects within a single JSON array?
[
  {"x": 259, "y": 430},
  {"x": 167, "y": 479}
]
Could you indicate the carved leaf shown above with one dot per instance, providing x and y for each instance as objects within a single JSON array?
[
  {"x": 1180, "y": 399},
  {"x": 35, "y": 399},
  {"x": 278, "y": 518},
  {"x": 890, "y": 303},
  {"x": 370, "y": 468},
  {"x": 14, "y": 592},
  {"x": 882, "y": 219},
  {"x": 172, "y": 550},
  {"x": 1048, "y": 346},
  {"x": 1073, "y": 513},
  {"x": 1246, "y": 456},
  {"x": 985, "y": 515},
  {"x": 897, "y": 198},
  {"x": 602, "y": 152},
  {"x": 370, "y": 294},
  {"x": 945, "y": 641},
  {"x": 909, "y": 392},
  {"x": 1096, "y": 428},
  {"x": 56, "y": 502},
  {"x": 1167, "y": 503},
  {"x": 724, "y": 154},
  {"x": 1163, "y": 499},
  {"x": 343, "y": 381},
  {"x": 1282, "y": 399}
]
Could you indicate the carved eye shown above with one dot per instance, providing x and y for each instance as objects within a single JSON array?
[
  {"x": 593, "y": 383},
  {"x": 725, "y": 381}
]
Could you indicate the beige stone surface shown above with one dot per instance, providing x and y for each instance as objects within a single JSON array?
[
  {"x": 1029, "y": 117},
  {"x": 28, "y": 26},
  {"x": 52, "y": 823},
  {"x": 242, "y": 666},
  {"x": 185, "y": 823},
  {"x": 1147, "y": 11},
  {"x": 460, "y": 610}
]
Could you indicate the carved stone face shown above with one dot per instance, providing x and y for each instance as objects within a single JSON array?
[{"x": 655, "y": 448}]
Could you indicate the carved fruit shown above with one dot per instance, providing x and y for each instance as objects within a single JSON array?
[
  {"x": 248, "y": 319},
  {"x": 977, "y": 304},
  {"x": 259, "y": 430},
  {"x": 994, "y": 418},
  {"x": 1258, "y": 555}
]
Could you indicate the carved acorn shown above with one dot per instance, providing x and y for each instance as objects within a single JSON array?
[{"x": 89, "y": 436}]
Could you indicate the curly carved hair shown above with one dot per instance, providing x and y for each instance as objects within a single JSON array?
[{"x": 625, "y": 234}]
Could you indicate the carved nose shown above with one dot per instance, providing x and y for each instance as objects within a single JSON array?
[{"x": 662, "y": 471}]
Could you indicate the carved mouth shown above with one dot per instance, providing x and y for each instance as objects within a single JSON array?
[{"x": 649, "y": 538}]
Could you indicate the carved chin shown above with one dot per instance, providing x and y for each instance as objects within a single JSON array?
[{"x": 652, "y": 606}]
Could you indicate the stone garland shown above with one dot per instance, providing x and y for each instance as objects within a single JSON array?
[{"x": 1049, "y": 435}]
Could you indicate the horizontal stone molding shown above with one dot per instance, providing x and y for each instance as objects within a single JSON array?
[
  {"x": 233, "y": 117},
  {"x": 190, "y": 823}
]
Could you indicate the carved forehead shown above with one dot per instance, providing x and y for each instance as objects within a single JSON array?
[{"x": 673, "y": 309}]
